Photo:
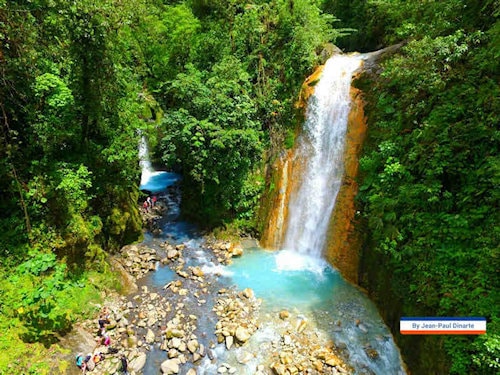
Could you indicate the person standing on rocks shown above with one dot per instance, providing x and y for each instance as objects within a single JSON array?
[{"x": 124, "y": 362}]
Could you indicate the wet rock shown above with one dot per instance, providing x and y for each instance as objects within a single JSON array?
[
  {"x": 284, "y": 314},
  {"x": 229, "y": 342},
  {"x": 170, "y": 366},
  {"x": 279, "y": 369},
  {"x": 242, "y": 334},
  {"x": 245, "y": 357},
  {"x": 248, "y": 293},
  {"x": 191, "y": 371},
  {"x": 372, "y": 353},
  {"x": 138, "y": 362},
  {"x": 362, "y": 328},
  {"x": 172, "y": 254},
  {"x": 192, "y": 346},
  {"x": 150, "y": 337},
  {"x": 301, "y": 325}
]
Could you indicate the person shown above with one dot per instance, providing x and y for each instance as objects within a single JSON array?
[
  {"x": 102, "y": 324},
  {"x": 154, "y": 200},
  {"x": 150, "y": 204},
  {"x": 98, "y": 357},
  {"x": 106, "y": 340},
  {"x": 90, "y": 364},
  {"x": 80, "y": 362},
  {"x": 145, "y": 205},
  {"x": 124, "y": 362}
]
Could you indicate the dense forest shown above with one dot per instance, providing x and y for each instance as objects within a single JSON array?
[{"x": 213, "y": 84}]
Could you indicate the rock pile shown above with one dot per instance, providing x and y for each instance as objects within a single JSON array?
[
  {"x": 237, "y": 317},
  {"x": 138, "y": 259},
  {"x": 224, "y": 250},
  {"x": 302, "y": 350}
]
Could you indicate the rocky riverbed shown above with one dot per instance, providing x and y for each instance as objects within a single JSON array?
[{"x": 168, "y": 319}]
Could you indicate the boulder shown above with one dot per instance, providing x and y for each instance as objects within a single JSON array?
[
  {"x": 242, "y": 334},
  {"x": 138, "y": 362},
  {"x": 170, "y": 366},
  {"x": 150, "y": 336},
  {"x": 192, "y": 345}
]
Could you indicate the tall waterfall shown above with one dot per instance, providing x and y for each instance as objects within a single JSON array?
[{"x": 319, "y": 158}]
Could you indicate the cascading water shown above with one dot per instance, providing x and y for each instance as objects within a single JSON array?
[
  {"x": 144, "y": 162},
  {"x": 151, "y": 180},
  {"x": 320, "y": 153}
]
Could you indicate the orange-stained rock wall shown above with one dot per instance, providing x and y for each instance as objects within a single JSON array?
[{"x": 343, "y": 243}]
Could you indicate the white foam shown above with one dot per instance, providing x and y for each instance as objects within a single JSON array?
[
  {"x": 290, "y": 260},
  {"x": 216, "y": 270}
]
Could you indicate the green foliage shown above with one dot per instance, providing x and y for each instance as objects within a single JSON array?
[
  {"x": 239, "y": 71},
  {"x": 430, "y": 169}
]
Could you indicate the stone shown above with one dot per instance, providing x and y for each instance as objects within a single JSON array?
[
  {"x": 196, "y": 271},
  {"x": 372, "y": 353},
  {"x": 192, "y": 345},
  {"x": 332, "y": 360},
  {"x": 229, "y": 342},
  {"x": 173, "y": 332},
  {"x": 150, "y": 336},
  {"x": 248, "y": 293},
  {"x": 284, "y": 314},
  {"x": 237, "y": 251},
  {"x": 242, "y": 334},
  {"x": 301, "y": 325},
  {"x": 245, "y": 357},
  {"x": 362, "y": 328},
  {"x": 175, "y": 342},
  {"x": 138, "y": 362},
  {"x": 171, "y": 254},
  {"x": 170, "y": 366},
  {"x": 191, "y": 371},
  {"x": 278, "y": 369}
]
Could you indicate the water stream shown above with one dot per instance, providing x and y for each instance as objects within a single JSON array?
[
  {"x": 296, "y": 279},
  {"x": 302, "y": 284}
]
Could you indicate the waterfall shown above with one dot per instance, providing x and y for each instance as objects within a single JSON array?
[
  {"x": 144, "y": 162},
  {"x": 319, "y": 158}
]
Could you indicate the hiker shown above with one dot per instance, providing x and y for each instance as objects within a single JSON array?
[
  {"x": 145, "y": 206},
  {"x": 150, "y": 204},
  {"x": 80, "y": 362},
  {"x": 123, "y": 359},
  {"x": 89, "y": 362},
  {"x": 106, "y": 340},
  {"x": 98, "y": 357},
  {"x": 154, "y": 200}
]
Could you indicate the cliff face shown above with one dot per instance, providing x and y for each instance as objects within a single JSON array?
[{"x": 343, "y": 243}]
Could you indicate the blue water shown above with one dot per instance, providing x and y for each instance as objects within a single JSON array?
[
  {"x": 280, "y": 278},
  {"x": 283, "y": 279},
  {"x": 158, "y": 181},
  {"x": 286, "y": 280}
]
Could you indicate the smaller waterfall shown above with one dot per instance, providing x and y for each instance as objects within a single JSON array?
[
  {"x": 152, "y": 180},
  {"x": 319, "y": 158},
  {"x": 144, "y": 162}
]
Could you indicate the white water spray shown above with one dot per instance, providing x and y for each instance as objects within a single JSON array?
[
  {"x": 144, "y": 162},
  {"x": 320, "y": 157}
]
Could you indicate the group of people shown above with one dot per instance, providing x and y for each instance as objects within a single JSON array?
[
  {"x": 149, "y": 203},
  {"x": 89, "y": 361}
]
